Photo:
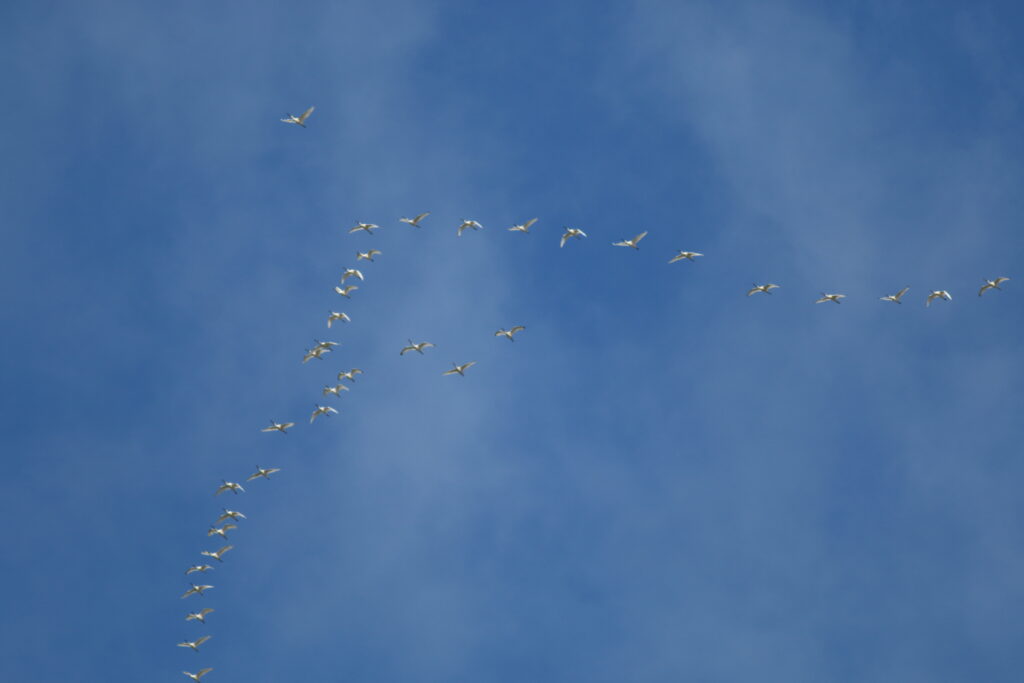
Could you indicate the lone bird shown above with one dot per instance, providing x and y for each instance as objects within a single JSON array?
[
  {"x": 366, "y": 227},
  {"x": 762, "y": 288},
  {"x": 351, "y": 272},
  {"x": 368, "y": 255},
  {"x": 199, "y": 674},
  {"x": 198, "y": 568},
  {"x": 195, "y": 643},
  {"x": 230, "y": 514},
  {"x": 221, "y": 531},
  {"x": 895, "y": 298},
  {"x": 278, "y": 427},
  {"x": 992, "y": 284},
  {"x": 299, "y": 120},
  {"x": 634, "y": 242},
  {"x": 334, "y": 317},
  {"x": 569, "y": 233},
  {"x": 418, "y": 348},
  {"x": 459, "y": 369},
  {"x": 217, "y": 554},
  {"x": 938, "y": 294},
  {"x": 834, "y": 298},
  {"x": 195, "y": 590},
  {"x": 264, "y": 472},
  {"x": 688, "y": 255},
  {"x": 350, "y": 375},
  {"x": 229, "y": 486},
  {"x": 321, "y": 410},
  {"x": 523, "y": 227},
  {"x": 199, "y": 616},
  {"x": 335, "y": 390},
  {"x": 415, "y": 222},
  {"x": 508, "y": 333},
  {"x": 346, "y": 291},
  {"x": 468, "y": 224},
  {"x": 315, "y": 352}
]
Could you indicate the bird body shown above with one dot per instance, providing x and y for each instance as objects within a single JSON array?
[
  {"x": 508, "y": 333},
  {"x": 299, "y": 120},
  {"x": 992, "y": 284},
  {"x": 634, "y": 242},
  {"x": 459, "y": 369},
  {"x": 570, "y": 233}
]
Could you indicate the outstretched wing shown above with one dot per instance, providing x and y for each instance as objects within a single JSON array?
[{"x": 305, "y": 115}]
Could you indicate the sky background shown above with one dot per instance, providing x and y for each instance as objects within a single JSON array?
[{"x": 659, "y": 480}]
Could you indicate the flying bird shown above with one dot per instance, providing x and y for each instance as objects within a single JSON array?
[
  {"x": 569, "y": 233},
  {"x": 230, "y": 514},
  {"x": 199, "y": 616},
  {"x": 938, "y": 294},
  {"x": 229, "y": 486},
  {"x": 195, "y": 643},
  {"x": 635, "y": 242},
  {"x": 459, "y": 369},
  {"x": 895, "y": 298},
  {"x": 321, "y": 410},
  {"x": 509, "y": 333},
  {"x": 195, "y": 590},
  {"x": 468, "y": 224},
  {"x": 217, "y": 554},
  {"x": 350, "y": 375},
  {"x": 264, "y": 472},
  {"x": 278, "y": 427},
  {"x": 368, "y": 255},
  {"x": 830, "y": 297},
  {"x": 199, "y": 674},
  {"x": 523, "y": 227},
  {"x": 335, "y": 390},
  {"x": 221, "y": 531},
  {"x": 992, "y": 284},
  {"x": 762, "y": 288},
  {"x": 416, "y": 347},
  {"x": 366, "y": 227},
  {"x": 415, "y": 222},
  {"x": 315, "y": 352},
  {"x": 688, "y": 255},
  {"x": 299, "y": 120},
  {"x": 351, "y": 272},
  {"x": 198, "y": 568},
  {"x": 334, "y": 316},
  {"x": 346, "y": 291}
]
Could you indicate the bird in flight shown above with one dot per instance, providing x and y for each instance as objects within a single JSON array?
[
  {"x": 368, "y": 227},
  {"x": 523, "y": 227},
  {"x": 199, "y": 616},
  {"x": 278, "y": 427},
  {"x": 459, "y": 369},
  {"x": 198, "y": 568},
  {"x": 415, "y": 347},
  {"x": 335, "y": 390},
  {"x": 509, "y": 333},
  {"x": 938, "y": 294},
  {"x": 468, "y": 224},
  {"x": 830, "y": 297},
  {"x": 217, "y": 554},
  {"x": 299, "y": 120},
  {"x": 346, "y": 291},
  {"x": 221, "y": 531},
  {"x": 351, "y": 272},
  {"x": 321, "y": 410},
  {"x": 415, "y": 222},
  {"x": 195, "y": 590},
  {"x": 264, "y": 472},
  {"x": 195, "y": 643},
  {"x": 688, "y": 255},
  {"x": 350, "y": 375},
  {"x": 315, "y": 352},
  {"x": 368, "y": 255},
  {"x": 199, "y": 674},
  {"x": 992, "y": 284},
  {"x": 895, "y": 298},
  {"x": 334, "y": 316},
  {"x": 635, "y": 242},
  {"x": 569, "y": 233},
  {"x": 230, "y": 514},
  {"x": 229, "y": 486},
  {"x": 762, "y": 288}
]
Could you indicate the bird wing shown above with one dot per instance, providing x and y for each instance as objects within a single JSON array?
[
  {"x": 500, "y": 333},
  {"x": 225, "y": 549},
  {"x": 329, "y": 410},
  {"x": 753, "y": 290},
  {"x": 269, "y": 429},
  {"x": 528, "y": 223},
  {"x": 203, "y": 672},
  {"x": 417, "y": 219},
  {"x": 202, "y": 640},
  {"x": 902, "y": 292},
  {"x": 517, "y": 328},
  {"x": 467, "y": 365},
  {"x": 1001, "y": 280},
  {"x": 822, "y": 300},
  {"x": 272, "y": 470},
  {"x": 636, "y": 240},
  {"x": 453, "y": 371},
  {"x": 205, "y": 611},
  {"x": 305, "y": 115},
  {"x": 564, "y": 238},
  {"x": 406, "y": 348},
  {"x": 677, "y": 257},
  {"x": 356, "y": 229},
  {"x": 623, "y": 243}
]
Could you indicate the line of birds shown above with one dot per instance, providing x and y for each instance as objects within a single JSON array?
[{"x": 229, "y": 518}]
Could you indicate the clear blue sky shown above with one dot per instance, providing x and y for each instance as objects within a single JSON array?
[{"x": 660, "y": 480}]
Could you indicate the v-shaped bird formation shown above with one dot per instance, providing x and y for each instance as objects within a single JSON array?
[{"x": 320, "y": 349}]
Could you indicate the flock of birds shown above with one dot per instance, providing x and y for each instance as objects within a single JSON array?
[{"x": 228, "y": 519}]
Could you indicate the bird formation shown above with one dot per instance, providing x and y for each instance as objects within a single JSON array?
[{"x": 229, "y": 518}]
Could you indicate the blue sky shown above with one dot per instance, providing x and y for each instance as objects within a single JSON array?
[{"x": 660, "y": 480}]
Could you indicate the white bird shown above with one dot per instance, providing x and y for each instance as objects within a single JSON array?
[
  {"x": 367, "y": 227},
  {"x": 992, "y": 284},
  {"x": 688, "y": 255},
  {"x": 217, "y": 554},
  {"x": 415, "y": 222},
  {"x": 221, "y": 531},
  {"x": 198, "y": 568},
  {"x": 278, "y": 427},
  {"x": 368, "y": 255},
  {"x": 327, "y": 345},
  {"x": 230, "y": 514},
  {"x": 346, "y": 291},
  {"x": 830, "y": 297},
  {"x": 459, "y": 369},
  {"x": 335, "y": 390},
  {"x": 321, "y": 410},
  {"x": 299, "y": 120},
  {"x": 416, "y": 347},
  {"x": 938, "y": 294},
  {"x": 351, "y": 272},
  {"x": 895, "y": 298},
  {"x": 195, "y": 643},
  {"x": 264, "y": 472},
  {"x": 199, "y": 674},
  {"x": 229, "y": 486},
  {"x": 635, "y": 242},
  {"x": 199, "y": 616},
  {"x": 315, "y": 352},
  {"x": 509, "y": 333},
  {"x": 762, "y": 288},
  {"x": 195, "y": 590},
  {"x": 468, "y": 224},
  {"x": 350, "y": 375},
  {"x": 523, "y": 227},
  {"x": 571, "y": 232},
  {"x": 343, "y": 317}
]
